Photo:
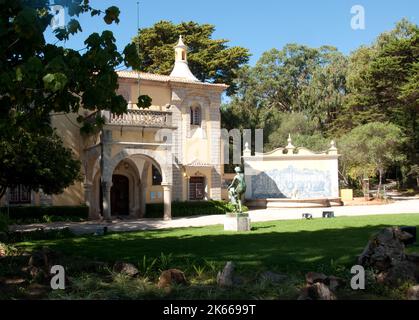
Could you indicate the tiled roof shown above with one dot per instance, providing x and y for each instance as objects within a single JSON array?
[{"x": 163, "y": 78}]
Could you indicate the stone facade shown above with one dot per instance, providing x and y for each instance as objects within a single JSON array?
[{"x": 292, "y": 173}]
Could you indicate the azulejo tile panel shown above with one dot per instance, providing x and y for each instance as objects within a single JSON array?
[{"x": 292, "y": 182}]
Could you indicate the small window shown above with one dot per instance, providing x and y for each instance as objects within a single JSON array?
[
  {"x": 20, "y": 195},
  {"x": 183, "y": 55},
  {"x": 195, "y": 116},
  {"x": 157, "y": 179}
]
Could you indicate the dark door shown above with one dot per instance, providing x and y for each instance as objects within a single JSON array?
[
  {"x": 196, "y": 188},
  {"x": 120, "y": 196}
]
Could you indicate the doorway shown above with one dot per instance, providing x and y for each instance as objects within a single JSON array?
[
  {"x": 196, "y": 188},
  {"x": 120, "y": 196}
]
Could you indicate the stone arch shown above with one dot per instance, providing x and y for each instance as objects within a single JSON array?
[{"x": 151, "y": 155}]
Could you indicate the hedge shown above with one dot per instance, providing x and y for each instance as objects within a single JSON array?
[
  {"x": 191, "y": 208},
  {"x": 22, "y": 213}
]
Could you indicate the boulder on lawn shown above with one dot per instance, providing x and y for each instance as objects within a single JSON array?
[
  {"x": 171, "y": 277},
  {"x": 317, "y": 291},
  {"x": 413, "y": 293},
  {"x": 314, "y": 277},
  {"x": 3, "y": 250},
  {"x": 334, "y": 283},
  {"x": 43, "y": 258},
  {"x": 225, "y": 278},
  {"x": 126, "y": 269},
  {"x": 385, "y": 249},
  {"x": 404, "y": 271}
]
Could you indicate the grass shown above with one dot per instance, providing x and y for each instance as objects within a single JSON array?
[{"x": 286, "y": 246}]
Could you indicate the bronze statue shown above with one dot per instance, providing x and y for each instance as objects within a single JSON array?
[{"x": 237, "y": 189}]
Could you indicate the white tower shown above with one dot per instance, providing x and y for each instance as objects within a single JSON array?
[{"x": 181, "y": 69}]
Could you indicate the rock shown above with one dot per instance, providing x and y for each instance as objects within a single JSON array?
[
  {"x": 386, "y": 256},
  {"x": 413, "y": 293},
  {"x": 44, "y": 258},
  {"x": 38, "y": 259},
  {"x": 314, "y": 277},
  {"x": 36, "y": 291},
  {"x": 401, "y": 272},
  {"x": 171, "y": 277},
  {"x": 225, "y": 278},
  {"x": 334, "y": 283},
  {"x": 385, "y": 249},
  {"x": 3, "y": 250},
  {"x": 272, "y": 277},
  {"x": 126, "y": 268},
  {"x": 317, "y": 291}
]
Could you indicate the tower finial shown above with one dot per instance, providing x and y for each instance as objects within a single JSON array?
[{"x": 181, "y": 69}]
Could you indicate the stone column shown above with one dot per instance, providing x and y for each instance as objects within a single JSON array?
[
  {"x": 89, "y": 201},
  {"x": 106, "y": 189},
  {"x": 143, "y": 199},
  {"x": 167, "y": 198}
]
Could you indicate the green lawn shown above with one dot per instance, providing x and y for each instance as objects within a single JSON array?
[{"x": 286, "y": 246}]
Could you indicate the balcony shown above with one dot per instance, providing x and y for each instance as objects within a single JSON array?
[{"x": 138, "y": 118}]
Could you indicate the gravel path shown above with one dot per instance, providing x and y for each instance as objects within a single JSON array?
[{"x": 401, "y": 206}]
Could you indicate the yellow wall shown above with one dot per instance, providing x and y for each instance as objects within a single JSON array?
[{"x": 69, "y": 130}]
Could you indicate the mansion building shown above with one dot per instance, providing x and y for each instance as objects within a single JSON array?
[{"x": 169, "y": 152}]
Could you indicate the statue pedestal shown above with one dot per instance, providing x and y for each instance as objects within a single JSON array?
[{"x": 237, "y": 222}]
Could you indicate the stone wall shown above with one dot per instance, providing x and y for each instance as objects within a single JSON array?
[{"x": 292, "y": 173}]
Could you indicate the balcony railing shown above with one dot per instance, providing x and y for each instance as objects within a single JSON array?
[{"x": 148, "y": 118}]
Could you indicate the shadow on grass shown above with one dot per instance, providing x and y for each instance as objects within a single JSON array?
[{"x": 285, "y": 251}]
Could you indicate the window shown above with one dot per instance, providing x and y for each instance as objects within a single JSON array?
[
  {"x": 197, "y": 188},
  {"x": 20, "y": 195},
  {"x": 156, "y": 175},
  {"x": 195, "y": 116}
]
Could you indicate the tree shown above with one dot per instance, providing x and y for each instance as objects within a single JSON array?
[
  {"x": 307, "y": 82},
  {"x": 209, "y": 59},
  {"x": 37, "y": 161},
  {"x": 304, "y": 133},
  {"x": 383, "y": 85},
  {"x": 414, "y": 173},
  {"x": 37, "y": 79},
  {"x": 371, "y": 149}
]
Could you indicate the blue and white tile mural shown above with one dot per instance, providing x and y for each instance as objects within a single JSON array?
[{"x": 292, "y": 182}]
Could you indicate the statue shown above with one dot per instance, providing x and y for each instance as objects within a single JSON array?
[{"x": 237, "y": 189}]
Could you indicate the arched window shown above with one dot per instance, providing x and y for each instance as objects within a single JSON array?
[{"x": 196, "y": 116}]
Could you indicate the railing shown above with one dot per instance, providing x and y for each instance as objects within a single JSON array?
[{"x": 148, "y": 118}]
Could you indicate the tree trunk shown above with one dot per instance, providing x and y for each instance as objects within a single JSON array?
[{"x": 380, "y": 171}]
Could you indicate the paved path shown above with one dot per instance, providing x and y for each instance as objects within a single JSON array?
[{"x": 398, "y": 207}]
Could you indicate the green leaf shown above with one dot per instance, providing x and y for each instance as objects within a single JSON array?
[
  {"x": 112, "y": 14},
  {"x": 73, "y": 27},
  {"x": 55, "y": 81}
]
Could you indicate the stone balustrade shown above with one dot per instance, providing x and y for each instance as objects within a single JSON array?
[{"x": 148, "y": 118}]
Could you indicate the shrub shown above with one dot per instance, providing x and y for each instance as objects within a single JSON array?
[
  {"x": 191, "y": 208},
  {"x": 4, "y": 223},
  {"x": 29, "y": 214}
]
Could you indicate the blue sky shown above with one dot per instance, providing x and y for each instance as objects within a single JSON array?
[{"x": 258, "y": 25}]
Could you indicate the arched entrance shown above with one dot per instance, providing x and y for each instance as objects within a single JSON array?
[{"x": 120, "y": 195}]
